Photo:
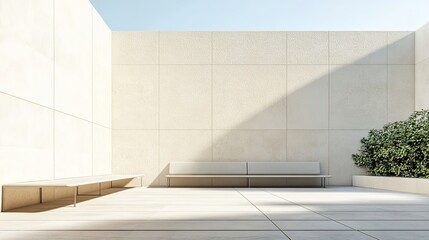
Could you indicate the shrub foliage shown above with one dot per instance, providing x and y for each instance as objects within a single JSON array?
[{"x": 399, "y": 149}]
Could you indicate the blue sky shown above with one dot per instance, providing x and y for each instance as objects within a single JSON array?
[{"x": 267, "y": 15}]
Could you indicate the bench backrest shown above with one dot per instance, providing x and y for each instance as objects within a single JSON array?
[
  {"x": 195, "y": 168},
  {"x": 292, "y": 168}
]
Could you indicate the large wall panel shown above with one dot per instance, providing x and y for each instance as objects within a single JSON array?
[
  {"x": 263, "y": 96},
  {"x": 358, "y": 48},
  {"x": 26, "y": 50},
  {"x": 136, "y": 151},
  {"x": 358, "y": 96},
  {"x": 135, "y": 96},
  {"x": 73, "y": 146},
  {"x": 101, "y": 72},
  {"x": 422, "y": 68},
  {"x": 101, "y": 150},
  {"x": 73, "y": 57},
  {"x": 26, "y": 142},
  {"x": 185, "y": 97},
  {"x": 249, "y": 97}
]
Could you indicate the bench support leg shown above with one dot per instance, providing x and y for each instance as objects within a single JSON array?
[
  {"x": 248, "y": 182},
  {"x": 75, "y": 196},
  {"x": 41, "y": 195},
  {"x": 2, "y": 199},
  {"x": 168, "y": 182}
]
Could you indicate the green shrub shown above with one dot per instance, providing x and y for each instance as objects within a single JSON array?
[{"x": 399, "y": 149}]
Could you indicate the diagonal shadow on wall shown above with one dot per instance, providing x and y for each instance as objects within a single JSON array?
[{"x": 322, "y": 114}]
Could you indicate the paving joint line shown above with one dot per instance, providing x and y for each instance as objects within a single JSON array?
[
  {"x": 264, "y": 215},
  {"x": 319, "y": 214}
]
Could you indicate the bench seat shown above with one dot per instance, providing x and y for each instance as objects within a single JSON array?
[
  {"x": 246, "y": 170},
  {"x": 72, "y": 182},
  {"x": 247, "y": 176}
]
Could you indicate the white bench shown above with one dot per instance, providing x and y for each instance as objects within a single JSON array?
[
  {"x": 72, "y": 182},
  {"x": 246, "y": 170}
]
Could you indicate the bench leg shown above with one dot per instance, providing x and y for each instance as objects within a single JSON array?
[
  {"x": 248, "y": 182},
  {"x": 40, "y": 195},
  {"x": 75, "y": 196},
  {"x": 324, "y": 183},
  {"x": 168, "y": 182},
  {"x": 2, "y": 198}
]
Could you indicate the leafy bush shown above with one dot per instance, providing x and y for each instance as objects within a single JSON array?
[{"x": 399, "y": 149}]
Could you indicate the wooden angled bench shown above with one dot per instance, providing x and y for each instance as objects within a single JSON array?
[
  {"x": 73, "y": 183},
  {"x": 246, "y": 170}
]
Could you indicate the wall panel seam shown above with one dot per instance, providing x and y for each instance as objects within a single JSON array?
[
  {"x": 329, "y": 102},
  {"x": 212, "y": 140},
  {"x": 264, "y": 64},
  {"x": 387, "y": 77},
  {"x": 53, "y": 94},
  {"x": 286, "y": 91},
  {"x": 159, "y": 106},
  {"x": 92, "y": 89}
]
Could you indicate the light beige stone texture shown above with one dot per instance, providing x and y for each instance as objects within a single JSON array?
[
  {"x": 185, "y": 97},
  {"x": 400, "y": 92},
  {"x": 185, "y": 47},
  {"x": 26, "y": 50},
  {"x": 422, "y": 85},
  {"x": 101, "y": 72},
  {"x": 309, "y": 146},
  {"x": 342, "y": 144},
  {"x": 401, "y": 47},
  {"x": 357, "y": 47},
  {"x": 101, "y": 150},
  {"x": 422, "y": 47},
  {"x": 307, "y": 47},
  {"x": 183, "y": 146},
  {"x": 307, "y": 96},
  {"x": 73, "y": 146},
  {"x": 73, "y": 58},
  {"x": 358, "y": 96},
  {"x": 249, "y": 48},
  {"x": 249, "y": 145},
  {"x": 135, "y": 47},
  {"x": 249, "y": 97},
  {"x": 135, "y": 97},
  {"x": 26, "y": 142},
  {"x": 136, "y": 151}
]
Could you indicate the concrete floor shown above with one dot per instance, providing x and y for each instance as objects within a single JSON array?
[{"x": 226, "y": 213}]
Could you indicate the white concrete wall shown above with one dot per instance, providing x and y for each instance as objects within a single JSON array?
[
  {"x": 255, "y": 96},
  {"x": 55, "y": 92},
  {"x": 422, "y": 68}
]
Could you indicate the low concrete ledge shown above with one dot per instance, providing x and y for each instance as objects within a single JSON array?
[{"x": 399, "y": 184}]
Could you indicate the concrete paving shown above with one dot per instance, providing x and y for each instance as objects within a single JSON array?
[{"x": 226, "y": 213}]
